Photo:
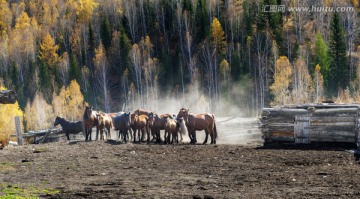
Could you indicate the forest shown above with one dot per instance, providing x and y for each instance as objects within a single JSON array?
[{"x": 228, "y": 57}]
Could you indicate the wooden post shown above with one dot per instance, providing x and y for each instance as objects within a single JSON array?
[{"x": 18, "y": 130}]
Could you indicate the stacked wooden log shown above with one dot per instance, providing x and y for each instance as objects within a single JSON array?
[
  {"x": 311, "y": 123},
  {"x": 7, "y": 97}
]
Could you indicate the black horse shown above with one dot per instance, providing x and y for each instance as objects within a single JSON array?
[
  {"x": 69, "y": 127},
  {"x": 122, "y": 123}
]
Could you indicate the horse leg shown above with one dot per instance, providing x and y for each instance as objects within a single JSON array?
[
  {"x": 109, "y": 131},
  {"x": 127, "y": 132},
  {"x": 148, "y": 134},
  {"x": 194, "y": 136},
  {"x": 190, "y": 136},
  {"x": 67, "y": 135},
  {"x": 165, "y": 137},
  {"x": 157, "y": 134},
  {"x": 86, "y": 134},
  {"x": 142, "y": 134},
  {"x": 212, "y": 137},
  {"x": 181, "y": 137},
  {"x": 206, "y": 137},
  {"x": 97, "y": 134}
]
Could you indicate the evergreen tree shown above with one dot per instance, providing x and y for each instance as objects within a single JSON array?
[
  {"x": 248, "y": 18},
  {"x": 322, "y": 59},
  {"x": 201, "y": 23},
  {"x": 125, "y": 46},
  {"x": 339, "y": 69},
  {"x": 187, "y": 5},
  {"x": 74, "y": 71},
  {"x": 105, "y": 33}
]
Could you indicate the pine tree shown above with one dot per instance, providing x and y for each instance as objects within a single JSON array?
[
  {"x": 339, "y": 69},
  {"x": 105, "y": 33},
  {"x": 322, "y": 59},
  {"x": 74, "y": 71},
  {"x": 201, "y": 22}
]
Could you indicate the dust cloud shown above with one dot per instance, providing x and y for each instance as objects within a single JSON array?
[{"x": 231, "y": 110}]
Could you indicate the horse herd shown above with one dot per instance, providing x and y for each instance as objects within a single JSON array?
[{"x": 144, "y": 123}]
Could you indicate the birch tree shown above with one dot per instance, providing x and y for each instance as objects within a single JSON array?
[{"x": 102, "y": 76}]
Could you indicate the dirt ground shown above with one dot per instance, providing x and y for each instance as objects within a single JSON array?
[
  {"x": 109, "y": 169},
  {"x": 238, "y": 167}
]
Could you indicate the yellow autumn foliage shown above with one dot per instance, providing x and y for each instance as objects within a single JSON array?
[
  {"x": 69, "y": 104},
  {"x": 48, "y": 50},
  {"x": 282, "y": 80},
  {"x": 38, "y": 114},
  {"x": 7, "y": 119}
]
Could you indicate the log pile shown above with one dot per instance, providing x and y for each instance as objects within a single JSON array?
[
  {"x": 311, "y": 123},
  {"x": 7, "y": 97}
]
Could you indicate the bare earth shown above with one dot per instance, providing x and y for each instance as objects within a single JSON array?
[{"x": 109, "y": 169}]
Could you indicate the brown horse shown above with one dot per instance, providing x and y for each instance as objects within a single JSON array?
[
  {"x": 140, "y": 123},
  {"x": 157, "y": 123},
  {"x": 171, "y": 129},
  {"x": 142, "y": 112},
  {"x": 104, "y": 122},
  {"x": 199, "y": 122},
  {"x": 90, "y": 120}
]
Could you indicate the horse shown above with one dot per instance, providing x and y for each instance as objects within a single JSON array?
[
  {"x": 140, "y": 112},
  {"x": 104, "y": 122},
  {"x": 122, "y": 122},
  {"x": 156, "y": 123},
  {"x": 199, "y": 122},
  {"x": 140, "y": 123},
  {"x": 90, "y": 120},
  {"x": 171, "y": 129},
  {"x": 69, "y": 127}
]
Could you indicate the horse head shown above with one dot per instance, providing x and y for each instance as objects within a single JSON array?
[
  {"x": 183, "y": 113},
  {"x": 57, "y": 121},
  {"x": 127, "y": 117},
  {"x": 88, "y": 111},
  {"x": 151, "y": 118}
]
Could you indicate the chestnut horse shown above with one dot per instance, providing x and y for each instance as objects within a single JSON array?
[
  {"x": 157, "y": 123},
  {"x": 199, "y": 122},
  {"x": 140, "y": 123},
  {"x": 104, "y": 122},
  {"x": 90, "y": 120},
  {"x": 171, "y": 129},
  {"x": 142, "y": 112},
  {"x": 122, "y": 123}
]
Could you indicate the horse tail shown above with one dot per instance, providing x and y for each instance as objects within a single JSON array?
[
  {"x": 215, "y": 131},
  {"x": 183, "y": 128}
]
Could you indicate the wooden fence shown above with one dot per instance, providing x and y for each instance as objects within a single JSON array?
[
  {"x": 38, "y": 136},
  {"x": 311, "y": 123}
]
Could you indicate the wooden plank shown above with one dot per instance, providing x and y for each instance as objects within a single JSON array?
[
  {"x": 333, "y": 128},
  {"x": 317, "y": 119},
  {"x": 283, "y": 134},
  {"x": 19, "y": 135},
  {"x": 332, "y": 112},
  {"x": 301, "y": 129},
  {"x": 282, "y": 139},
  {"x": 330, "y": 133},
  {"x": 334, "y": 139},
  {"x": 42, "y": 133}
]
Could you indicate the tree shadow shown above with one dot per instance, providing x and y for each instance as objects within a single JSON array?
[{"x": 318, "y": 146}]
